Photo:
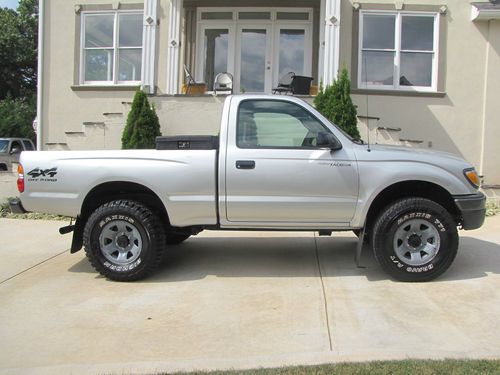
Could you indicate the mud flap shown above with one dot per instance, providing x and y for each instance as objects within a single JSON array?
[
  {"x": 77, "y": 242},
  {"x": 359, "y": 248}
]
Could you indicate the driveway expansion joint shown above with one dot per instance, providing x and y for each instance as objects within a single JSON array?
[
  {"x": 324, "y": 292},
  {"x": 34, "y": 266}
]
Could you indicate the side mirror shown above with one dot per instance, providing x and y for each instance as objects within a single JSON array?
[
  {"x": 15, "y": 150},
  {"x": 328, "y": 140}
]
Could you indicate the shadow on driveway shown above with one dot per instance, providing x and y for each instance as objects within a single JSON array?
[{"x": 221, "y": 257}]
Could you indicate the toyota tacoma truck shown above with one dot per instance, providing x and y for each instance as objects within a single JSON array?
[{"x": 277, "y": 164}]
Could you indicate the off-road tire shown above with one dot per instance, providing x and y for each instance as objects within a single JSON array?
[
  {"x": 396, "y": 224},
  {"x": 145, "y": 229},
  {"x": 176, "y": 238}
]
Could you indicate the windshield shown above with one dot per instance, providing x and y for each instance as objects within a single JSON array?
[
  {"x": 347, "y": 135},
  {"x": 3, "y": 145}
]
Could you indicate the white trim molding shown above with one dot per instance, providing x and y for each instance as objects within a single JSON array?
[
  {"x": 485, "y": 11},
  {"x": 174, "y": 46},
  {"x": 329, "y": 41},
  {"x": 40, "y": 81},
  {"x": 149, "y": 45}
]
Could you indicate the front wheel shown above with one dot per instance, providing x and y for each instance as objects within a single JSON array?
[
  {"x": 415, "y": 239},
  {"x": 124, "y": 240}
]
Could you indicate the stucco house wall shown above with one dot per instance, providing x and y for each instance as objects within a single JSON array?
[{"x": 461, "y": 117}]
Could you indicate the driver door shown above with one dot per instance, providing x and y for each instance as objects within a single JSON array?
[{"x": 277, "y": 176}]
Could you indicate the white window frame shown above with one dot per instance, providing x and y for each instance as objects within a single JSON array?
[
  {"x": 397, "y": 51},
  {"x": 116, "y": 30},
  {"x": 235, "y": 24}
]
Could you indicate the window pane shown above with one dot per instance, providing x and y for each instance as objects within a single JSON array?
[
  {"x": 28, "y": 146},
  {"x": 99, "y": 65},
  {"x": 130, "y": 30},
  {"x": 216, "y": 54},
  {"x": 254, "y": 16},
  {"x": 276, "y": 124},
  {"x": 129, "y": 64},
  {"x": 99, "y": 30},
  {"x": 217, "y": 15},
  {"x": 416, "y": 69},
  {"x": 417, "y": 33},
  {"x": 253, "y": 59},
  {"x": 295, "y": 16},
  {"x": 377, "y": 68},
  {"x": 291, "y": 48},
  {"x": 378, "y": 31}
]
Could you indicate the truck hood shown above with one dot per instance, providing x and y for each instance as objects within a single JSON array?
[{"x": 446, "y": 160}]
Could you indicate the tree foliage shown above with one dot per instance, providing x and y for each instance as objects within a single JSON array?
[
  {"x": 142, "y": 126},
  {"x": 16, "y": 117},
  {"x": 335, "y": 103},
  {"x": 18, "y": 50},
  {"x": 18, "y": 69}
]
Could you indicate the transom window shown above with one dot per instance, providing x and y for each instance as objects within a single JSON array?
[
  {"x": 111, "y": 47},
  {"x": 398, "y": 50},
  {"x": 276, "y": 124}
]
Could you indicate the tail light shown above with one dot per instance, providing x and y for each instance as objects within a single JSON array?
[{"x": 20, "y": 178}]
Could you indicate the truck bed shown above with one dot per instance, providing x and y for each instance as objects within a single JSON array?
[{"x": 184, "y": 180}]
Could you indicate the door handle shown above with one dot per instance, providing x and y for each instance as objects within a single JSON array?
[{"x": 245, "y": 164}]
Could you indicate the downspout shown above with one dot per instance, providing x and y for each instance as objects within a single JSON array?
[
  {"x": 39, "y": 102},
  {"x": 485, "y": 95}
]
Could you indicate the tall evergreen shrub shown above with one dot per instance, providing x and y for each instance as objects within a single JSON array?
[
  {"x": 335, "y": 103},
  {"x": 142, "y": 126}
]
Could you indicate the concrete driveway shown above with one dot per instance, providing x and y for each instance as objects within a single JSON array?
[{"x": 238, "y": 300}]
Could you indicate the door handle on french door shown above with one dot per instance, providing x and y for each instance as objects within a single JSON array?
[{"x": 245, "y": 164}]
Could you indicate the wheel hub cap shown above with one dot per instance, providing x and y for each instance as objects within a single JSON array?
[
  {"x": 416, "y": 242},
  {"x": 120, "y": 242},
  {"x": 123, "y": 241}
]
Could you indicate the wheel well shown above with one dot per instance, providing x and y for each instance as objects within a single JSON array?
[
  {"x": 110, "y": 191},
  {"x": 406, "y": 189}
]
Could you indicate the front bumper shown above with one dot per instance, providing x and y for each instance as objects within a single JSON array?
[{"x": 472, "y": 209}]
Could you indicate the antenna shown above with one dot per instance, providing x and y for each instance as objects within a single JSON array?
[{"x": 367, "y": 112}]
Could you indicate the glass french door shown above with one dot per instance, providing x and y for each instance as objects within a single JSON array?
[
  {"x": 218, "y": 53},
  {"x": 253, "y": 59},
  {"x": 292, "y": 51},
  {"x": 257, "y": 48}
]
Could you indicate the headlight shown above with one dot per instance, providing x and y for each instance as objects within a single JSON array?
[{"x": 472, "y": 176}]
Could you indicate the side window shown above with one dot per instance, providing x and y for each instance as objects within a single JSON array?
[
  {"x": 15, "y": 145},
  {"x": 28, "y": 146},
  {"x": 276, "y": 124}
]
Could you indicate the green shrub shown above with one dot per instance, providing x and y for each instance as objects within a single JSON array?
[
  {"x": 16, "y": 117},
  {"x": 335, "y": 103},
  {"x": 142, "y": 126}
]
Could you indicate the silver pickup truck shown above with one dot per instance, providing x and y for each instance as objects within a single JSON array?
[{"x": 277, "y": 164}]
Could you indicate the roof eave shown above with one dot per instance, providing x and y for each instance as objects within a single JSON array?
[{"x": 484, "y": 14}]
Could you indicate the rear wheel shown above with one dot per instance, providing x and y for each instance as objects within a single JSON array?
[
  {"x": 415, "y": 239},
  {"x": 124, "y": 240}
]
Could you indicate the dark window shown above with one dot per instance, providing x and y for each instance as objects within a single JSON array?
[{"x": 28, "y": 146}]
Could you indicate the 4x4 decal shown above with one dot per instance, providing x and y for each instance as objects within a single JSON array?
[{"x": 46, "y": 174}]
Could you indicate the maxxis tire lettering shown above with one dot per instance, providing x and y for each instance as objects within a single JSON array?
[
  {"x": 417, "y": 209},
  {"x": 146, "y": 223}
]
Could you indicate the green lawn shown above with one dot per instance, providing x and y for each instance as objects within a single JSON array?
[{"x": 407, "y": 367}]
